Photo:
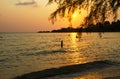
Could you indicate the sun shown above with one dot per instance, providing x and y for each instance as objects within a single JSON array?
[
  {"x": 78, "y": 17},
  {"x": 74, "y": 15}
]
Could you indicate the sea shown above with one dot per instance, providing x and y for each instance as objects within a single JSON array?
[{"x": 22, "y": 53}]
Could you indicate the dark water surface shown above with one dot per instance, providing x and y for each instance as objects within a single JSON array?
[{"x": 22, "y": 53}]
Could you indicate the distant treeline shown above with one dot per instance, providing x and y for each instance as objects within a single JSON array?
[{"x": 99, "y": 27}]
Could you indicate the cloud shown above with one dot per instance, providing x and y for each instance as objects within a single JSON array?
[{"x": 34, "y": 3}]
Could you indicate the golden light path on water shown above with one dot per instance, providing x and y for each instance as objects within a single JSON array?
[{"x": 75, "y": 57}]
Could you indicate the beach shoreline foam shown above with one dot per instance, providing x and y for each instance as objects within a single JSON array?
[{"x": 71, "y": 69}]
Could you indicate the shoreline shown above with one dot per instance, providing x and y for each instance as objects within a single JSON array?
[{"x": 66, "y": 70}]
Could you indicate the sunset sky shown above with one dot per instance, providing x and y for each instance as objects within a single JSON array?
[{"x": 29, "y": 17}]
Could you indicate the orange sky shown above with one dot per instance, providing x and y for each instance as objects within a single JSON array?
[{"x": 28, "y": 18}]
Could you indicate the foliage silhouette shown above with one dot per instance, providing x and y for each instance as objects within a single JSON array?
[{"x": 97, "y": 10}]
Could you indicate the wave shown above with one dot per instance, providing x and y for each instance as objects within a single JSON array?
[
  {"x": 44, "y": 52},
  {"x": 1, "y": 36},
  {"x": 47, "y": 52},
  {"x": 67, "y": 70},
  {"x": 3, "y": 60}
]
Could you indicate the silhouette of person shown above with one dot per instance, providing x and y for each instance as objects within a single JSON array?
[{"x": 61, "y": 43}]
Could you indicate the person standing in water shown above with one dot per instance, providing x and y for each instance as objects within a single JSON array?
[{"x": 61, "y": 43}]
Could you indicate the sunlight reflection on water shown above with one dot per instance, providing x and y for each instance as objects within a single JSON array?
[
  {"x": 95, "y": 75},
  {"x": 27, "y": 52}
]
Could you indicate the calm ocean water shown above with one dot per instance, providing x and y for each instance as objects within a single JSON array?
[{"x": 22, "y": 53}]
